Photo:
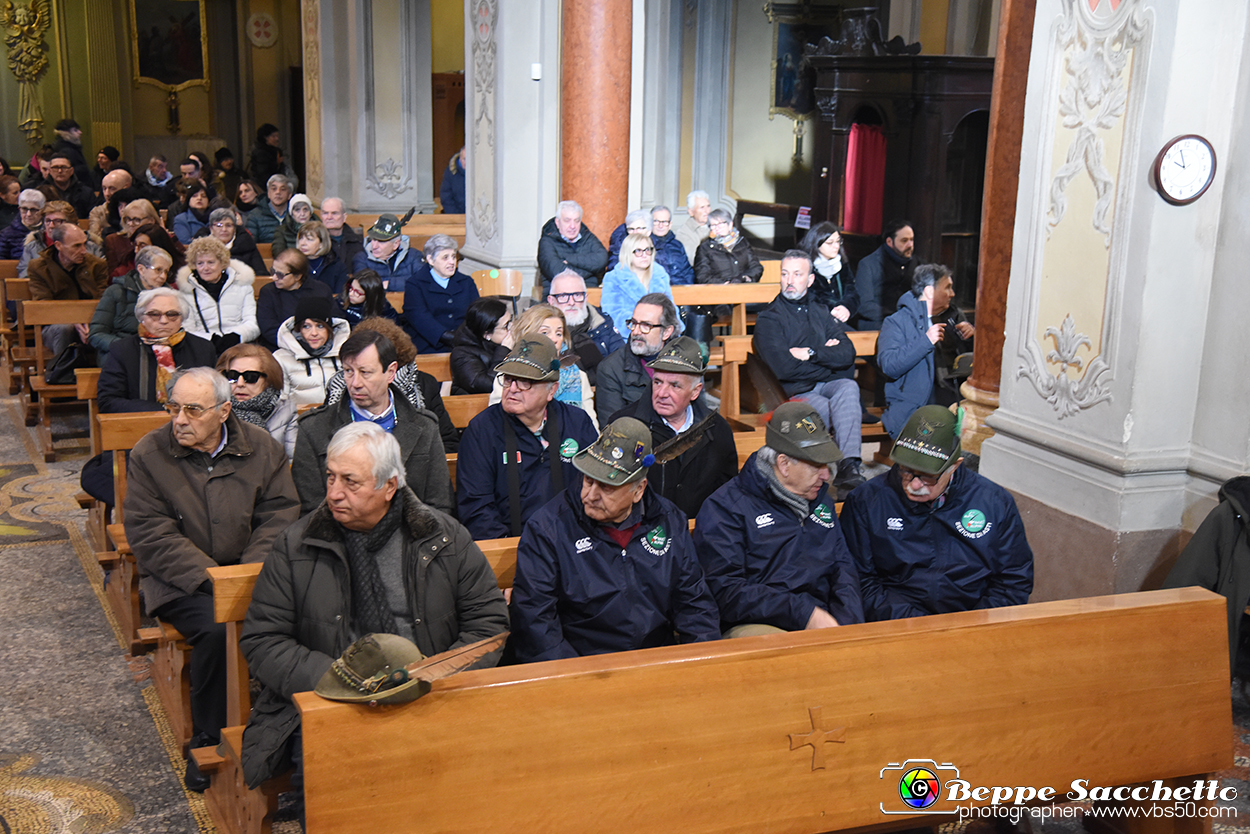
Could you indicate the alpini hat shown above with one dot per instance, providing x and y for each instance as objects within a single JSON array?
[
  {"x": 534, "y": 358},
  {"x": 796, "y": 430},
  {"x": 372, "y": 671},
  {"x": 680, "y": 356},
  {"x": 929, "y": 442},
  {"x": 385, "y": 227},
  {"x": 621, "y": 455}
]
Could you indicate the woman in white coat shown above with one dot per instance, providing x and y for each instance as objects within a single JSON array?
[
  {"x": 223, "y": 308},
  {"x": 308, "y": 349}
]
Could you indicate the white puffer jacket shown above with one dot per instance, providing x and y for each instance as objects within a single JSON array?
[
  {"x": 234, "y": 311},
  {"x": 307, "y": 377}
]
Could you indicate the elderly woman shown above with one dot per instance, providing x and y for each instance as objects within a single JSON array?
[
  {"x": 55, "y": 213},
  {"x": 277, "y": 301},
  {"x": 725, "y": 257},
  {"x": 574, "y": 388},
  {"x": 834, "y": 286},
  {"x": 437, "y": 297},
  {"x": 481, "y": 343},
  {"x": 314, "y": 241},
  {"x": 223, "y": 309},
  {"x": 635, "y": 275},
  {"x": 195, "y": 216},
  {"x": 298, "y": 212},
  {"x": 154, "y": 234},
  {"x": 223, "y": 224},
  {"x": 119, "y": 247},
  {"x": 256, "y": 392},
  {"x": 308, "y": 349},
  {"x": 134, "y": 374},
  {"x": 365, "y": 297},
  {"x": 115, "y": 316}
]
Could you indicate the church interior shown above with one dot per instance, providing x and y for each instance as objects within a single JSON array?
[{"x": 1021, "y": 138}]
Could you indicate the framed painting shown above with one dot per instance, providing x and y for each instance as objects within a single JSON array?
[
  {"x": 793, "y": 91},
  {"x": 169, "y": 45}
]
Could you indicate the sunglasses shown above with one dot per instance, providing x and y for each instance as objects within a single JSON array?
[{"x": 250, "y": 377}]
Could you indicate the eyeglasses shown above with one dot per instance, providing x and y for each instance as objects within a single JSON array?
[
  {"x": 29, "y": 209},
  {"x": 134, "y": 221},
  {"x": 908, "y": 475},
  {"x": 720, "y": 224},
  {"x": 566, "y": 297},
  {"x": 250, "y": 377},
  {"x": 643, "y": 327},
  {"x": 224, "y": 224},
  {"x": 521, "y": 384},
  {"x": 636, "y": 230},
  {"x": 661, "y": 222},
  {"x": 646, "y": 251},
  {"x": 53, "y": 221},
  {"x": 192, "y": 411},
  {"x": 157, "y": 315},
  {"x": 60, "y": 167}
]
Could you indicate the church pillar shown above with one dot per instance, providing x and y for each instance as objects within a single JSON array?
[
  {"x": 998, "y": 215},
  {"x": 594, "y": 117},
  {"x": 1121, "y": 405}
]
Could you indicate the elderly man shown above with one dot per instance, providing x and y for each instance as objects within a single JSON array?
[
  {"x": 567, "y": 243},
  {"x": 591, "y": 331},
  {"x": 158, "y": 184},
  {"x": 66, "y": 271},
  {"x": 62, "y": 184},
  {"x": 388, "y": 252},
  {"x": 370, "y": 363},
  {"x": 814, "y": 360},
  {"x": 669, "y": 252},
  {"x": 371, "y": 559},
  {"x": 695, "y": 230},
  {"x": 637, "y": 222},
  {"x": 114, "y": 181},
  {"x": 906, "y": 347},
  {"x": 769, "y": 542},
  {"x": 608, "y": 565},
  {"x": 437, "y": 296},
  {"x": 208, "y": 489},
  {"x": 515, "y": 456},
  {"x": 264, "y": 220},
  {"x": 931, "y": 536},
  {"x": 30, "y": 203},
  {"x": 694, "y": 445},
  {"x": 885, "y": 274},
  {"x": 623, "y": 377},
  {"x": 345, "y": 241}
]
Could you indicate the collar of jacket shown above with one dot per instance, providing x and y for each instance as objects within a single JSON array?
[
  {"x": 646, "y": 413},
  {"x": 237, "y": 444},
  {"x": 916, "y": 307},
  {"x": 419, "y": 520},
  {"x": 652, "y": 512},
  {"x": 951, "y": 492},
  {"x": 754, "y": 483}
]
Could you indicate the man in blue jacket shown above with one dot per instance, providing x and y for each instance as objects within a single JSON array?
[
  {"x": 388, "y": 252},
  {"x": 769, "y": 541},
  {"x": 608, "y": 565},
  {"x": 905, "y": 348},
  {"x": 516, "y": 455},
  {"x": 590, "y": 330},
  {"x": 931, "y": 536}
]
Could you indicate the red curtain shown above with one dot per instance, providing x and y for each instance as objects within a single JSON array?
[{"x": 865, "y": 179}]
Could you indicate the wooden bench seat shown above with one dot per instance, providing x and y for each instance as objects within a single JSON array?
[
  {"x": 38, "y": 391},
  {"x": 800, "y": 732}
]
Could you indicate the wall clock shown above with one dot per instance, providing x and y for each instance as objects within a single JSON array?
[{"x": 1184, "y": 169}]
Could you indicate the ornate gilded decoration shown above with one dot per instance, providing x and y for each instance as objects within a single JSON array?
[{"x": 24, "y": 30}]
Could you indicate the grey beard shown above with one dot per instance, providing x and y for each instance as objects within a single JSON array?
[
  {"x": 577, "y": 319},
  {"x": 794, "y": 295},
  {"x": 639, "y": 346}
]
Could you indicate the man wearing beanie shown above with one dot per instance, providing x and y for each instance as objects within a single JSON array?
[
  {"x": 608, "y": 565},
  {"x": 769, "y": 540},
  {"x": 930, "y": 536}
]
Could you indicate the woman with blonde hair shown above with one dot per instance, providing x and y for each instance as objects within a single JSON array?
[
  {"x": 223, "y": 308},
  {"x": 574, "y": 388},
  {"x": 635, "y": 275}
]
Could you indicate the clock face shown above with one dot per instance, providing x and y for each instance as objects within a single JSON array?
[{"x": 1184, "y": 169}]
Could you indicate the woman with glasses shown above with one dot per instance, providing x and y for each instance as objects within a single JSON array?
[
  {"x": 574, "y": 386},
  {"x": 115, "y": 316},
  {"x": 225, "y": 225},
  {"x": 725, "y": 257},
  {"x": 154, "y": 234},
  {"x": 256, "y": 392},
  {"x": 30, "y": 205},
  {"x": 119, "y": 247},
  {"x": 291, "y": 284},
  {"x": 365, "y": 297},
  {"x": 223, "y": 309},
  {"x": 55, "y": 213},
  {"x": 308, "y": 349},
  {"x": 480, "y": 344},
  {"x": 635, "y": 275},
  {"x": 834, "y": 286},
  {"x": 313, "y": 240}
]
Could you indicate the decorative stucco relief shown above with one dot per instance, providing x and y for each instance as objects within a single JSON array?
[
  {"x": 1066, "y": 395},
  {"x": 312, "y": 96},
  {"x": 388, "y": 179},
  {"x": 483, "y": 215}
]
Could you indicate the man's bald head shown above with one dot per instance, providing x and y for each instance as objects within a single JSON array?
[{"x": 115, "y": 181}]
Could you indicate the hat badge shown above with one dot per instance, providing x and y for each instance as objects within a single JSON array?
[
  {"x": 617, "y": 452},
  {"x": 924, "y": 428}
]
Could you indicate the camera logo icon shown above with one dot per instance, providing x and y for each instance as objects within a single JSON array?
[{"x": 919, "y": 784}]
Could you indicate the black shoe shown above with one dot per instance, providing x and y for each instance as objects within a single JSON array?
[
  {"x": 849, "y": 476},
  {"x": 867, "y": 416},
  {"x": 195, "y": 780}
]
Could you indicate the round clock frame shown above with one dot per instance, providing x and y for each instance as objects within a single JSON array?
[{"x": 1158, "y": 166}]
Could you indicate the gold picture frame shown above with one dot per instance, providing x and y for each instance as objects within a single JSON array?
[
  {"x": 792, "y": 91},
  {"x": 169, "y": 44}
]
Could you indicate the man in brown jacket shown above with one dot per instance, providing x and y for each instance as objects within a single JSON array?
[
  {"x": 206, "y": 490},
  {"x": 66, "y": 271}
]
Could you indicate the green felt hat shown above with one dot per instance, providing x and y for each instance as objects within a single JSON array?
[
  {"x": 621, "y": 455},
  {"x": 796, "y": 430},
  {"x": 534, "y": 357},
  {"x": 680, "y": 356},
  {"x": 372, "y": 671},
  {"x": 929, "y": 442}
]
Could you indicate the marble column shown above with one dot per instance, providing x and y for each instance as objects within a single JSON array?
[
  {"x": 998, "y": 215},
  {"x": 594, "y": 110}
]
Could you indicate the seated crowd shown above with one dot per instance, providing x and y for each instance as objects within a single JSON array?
[{"x": 597, "y": 446}]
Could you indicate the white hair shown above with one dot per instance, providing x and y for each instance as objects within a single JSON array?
[
  {"x": 206, "y": 374},
  {"x": 695, "y": 195},
  {"x": 32, "y": 195},
  {"x": 381, "y": 445},
  {"x": 566, "y": 206},
  {"x": 639, "y": 217}
]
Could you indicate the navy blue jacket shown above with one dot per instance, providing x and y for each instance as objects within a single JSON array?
[
  {"x": 917, "y": 558},
  {"x": 13, "y": 240},
  {"x": 880, "y": 277},
  {"x": 430, "y": 311},
  {"x": 329, "y": 270},
  {"x": 482, "y": 478},
  {"x": 451, "y": 192},
  {"x": 577, "y": 592},
  {"x": 395, "y": 272},
  {"x": 669, "y": 253},
  {"x": 905, "y": 356},
  {"x": 765, "y": 565},
  {"x": 784, "y": 324}
]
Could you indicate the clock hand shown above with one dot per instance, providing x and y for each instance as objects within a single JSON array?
[{"x": 1182, "y": 156}]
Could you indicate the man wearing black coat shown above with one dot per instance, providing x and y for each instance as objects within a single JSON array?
[
  {"x": 567, "y": 243},
  {"x": 345, "y": 241},
  {"x": 884, "y": 275}
]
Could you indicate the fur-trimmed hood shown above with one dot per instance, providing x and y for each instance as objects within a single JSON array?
[
  {"x": 286, "y": 338},
  {"x": 241, "y": 273},
  {"x": 421, "y": 521}
]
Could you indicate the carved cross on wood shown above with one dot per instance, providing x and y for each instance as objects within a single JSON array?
[{"x": 817, "y": 738}]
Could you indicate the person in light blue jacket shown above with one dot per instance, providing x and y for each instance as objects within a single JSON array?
[{"x": 635, "y": 275}]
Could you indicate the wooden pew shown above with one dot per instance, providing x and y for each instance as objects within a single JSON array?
[
  {"x": 437, "y": 365},
  {"x": 8, "y": 322},
  {"x": 738, "y": 296},
  {"x": 265, "y": 250},
  {"x": 799, "y": 732},
  {"x": 259, "y": 284},
  {"x": 462, "y": 408},
  {"x": 19, "y": 349},
  {"x": 438, "y": 223},
  {"x": 98, "y": 515},
  {"x": 397, "y": 301},
  {"x": 38, "y": 391}
]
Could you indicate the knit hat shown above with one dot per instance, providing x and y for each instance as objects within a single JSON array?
[
  {"x": 313, "y": 307},
  {"x": 111, "y": 152},
  {"x": 796, "y": 430},
  {"x": 929, "y": 442},
  {"x": 533, "y": 358},
  {"x": 223, "y": 153},
  {"x": 621, "y": 455},
  {"x": 300, "y": 198},
  {"x": 680, "y": 356}
]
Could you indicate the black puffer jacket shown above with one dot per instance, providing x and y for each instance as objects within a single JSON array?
[
  {"x": 714, "y": 264},
  {"x": 473, "y": 362}
]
